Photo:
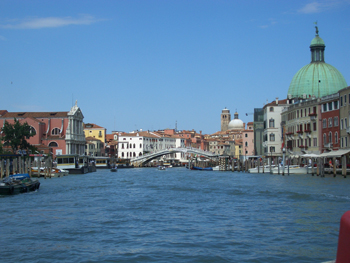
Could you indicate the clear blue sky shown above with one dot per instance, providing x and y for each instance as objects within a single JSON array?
[{"x": 149, "y": 63}]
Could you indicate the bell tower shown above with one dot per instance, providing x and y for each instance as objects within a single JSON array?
[{"x": 225, "y": 119}]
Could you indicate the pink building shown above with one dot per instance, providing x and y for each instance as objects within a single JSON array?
[{"x": 57, "y": 133}]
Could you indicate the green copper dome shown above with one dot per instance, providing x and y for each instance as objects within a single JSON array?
[
  {"x": 317, "y": 41},
  {"x": 317, "y": 78}
]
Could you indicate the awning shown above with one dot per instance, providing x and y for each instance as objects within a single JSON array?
[
  {"x": 310, "y": 155},
  {"x": 338, "y": 153}
]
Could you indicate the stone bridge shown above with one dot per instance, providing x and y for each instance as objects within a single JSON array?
[{"x": 138, "y": 161}]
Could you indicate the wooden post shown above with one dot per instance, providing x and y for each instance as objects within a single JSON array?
[
  {"x": 318, "y": 165},
  {"x": 334, "y": 167},
  {"x": 8, "y": 167},
  {"x": 343, "y": 165},
  {"x": 2, "y": 168}
]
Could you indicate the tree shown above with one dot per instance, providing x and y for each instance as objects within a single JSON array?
[{"x": 15, "y": 135}]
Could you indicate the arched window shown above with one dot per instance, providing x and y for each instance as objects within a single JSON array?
[
  {"x": 55, "y": 131},
  {"x": 272, "y": 137},
  {"x": 140, "y": 154},
  {"x": 330, "y": 137},
  {"x": 32, "y": 130},
  {"x": 272, "y": 123},
  {"x": 324, "y": 139},
  {"x": 336, "y": 137},
  {"x": 271, "y": 109},
  {"x": 53, "y": 144}
]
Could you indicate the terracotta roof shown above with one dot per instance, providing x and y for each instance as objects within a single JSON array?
[
  {"x": 60, "y": 114},
  {"x": 92, "y": 126},
  {"x": 91, "y": 139},
  {"x": 142, "y": 134}
]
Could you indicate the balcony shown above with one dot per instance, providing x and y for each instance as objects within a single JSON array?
[
  {"x": 300, "y": 132},
  {"x": 328, "y": 145},
  {"x": 313, "y": 116},
  {"x": 303, "y": 147},
  {"x": 289, "y": 133}
]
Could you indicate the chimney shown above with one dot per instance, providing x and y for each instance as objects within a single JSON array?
[{"x": 277, "y": 101}]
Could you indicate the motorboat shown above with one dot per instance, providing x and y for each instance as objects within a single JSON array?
[
  {"x": 114, "y": 168},
  {"x": 161, "y": 168},
  {"x": 18, "y": 183},
  {"x": 291, "y": 169},
  {"x": 261, "y": 169}
]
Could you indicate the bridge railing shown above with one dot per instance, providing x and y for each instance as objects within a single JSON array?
[{"x": 172, "y": 150}]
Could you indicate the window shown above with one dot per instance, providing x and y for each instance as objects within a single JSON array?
[
  {"x": 32, "y": 130},
  {"x": 330, "y": 122},
  {"x": 336, "y": 104},
  {"x": 272, "y": 149},
  {"x": 330, "y": 137},
  {"x": 315, "y": 142},
  {"x": 345, "y": 123},
  {"x": 246, "y": 144},
  {"x": 324, "y": 139},
  {"x": 55, "y": 131},
  {"x": 341, "y": 124},
  {"x": 330, "y": 106},
  {"x": 53, "y": 144},
  {"x": 100, "y": 134},
  {"x": 272, "y": 123},
  {"x": 315, "y": 126},
  {"x": 324, "y": 107},
  {"x": 272, "y": 137},
  {"x": 336, "y": 121},
  {"x": 336, "y": 137},
  {"x": 246, "y": 135},
  {"x": 344, "y": 99},
  {"x": 324, "y": 123},
  {"x": 271, "y": 109}
]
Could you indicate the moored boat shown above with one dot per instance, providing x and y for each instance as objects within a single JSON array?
[
  {"x": 291, "y": 169},
  {"x": 202, "y": 168},
  {"x": 18, "y": 183}
]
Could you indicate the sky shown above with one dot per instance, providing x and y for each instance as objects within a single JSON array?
[{"x": 157, "y": 64}]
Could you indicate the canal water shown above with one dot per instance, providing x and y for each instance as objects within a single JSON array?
[{"x": 177, "y": 215}]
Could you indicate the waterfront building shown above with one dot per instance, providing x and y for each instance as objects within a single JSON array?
[
  {"x": 92, "y": 130},
  {"x": 344, "y": 117},
  {"x": 57, "y": 133},
  {"x": 272, "y": 142},
  {"x": 248, "y": 140},
  {"x": 112, "y": 144},
  {"x": 137, "y": 143},
  {"x": 301, "y": 126},
  {"x": 330, "y": 130},
  {"x": 94, "y": 147}
]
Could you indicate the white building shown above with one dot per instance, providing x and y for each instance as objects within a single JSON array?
[{"x": 272, "y": 136}]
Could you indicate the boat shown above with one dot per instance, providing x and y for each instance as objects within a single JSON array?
[
  {"x": 260, "y": 169},
  {"x": 161, "y": 168},
  {"x": 291, "y": 169},
  {"x": 18, "y": 183},
  {"x": 202, "y": 168},
  {"x": 114, "y": 168}
]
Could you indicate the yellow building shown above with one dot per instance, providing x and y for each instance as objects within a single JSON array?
[{"x": 95, "y": 131}]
